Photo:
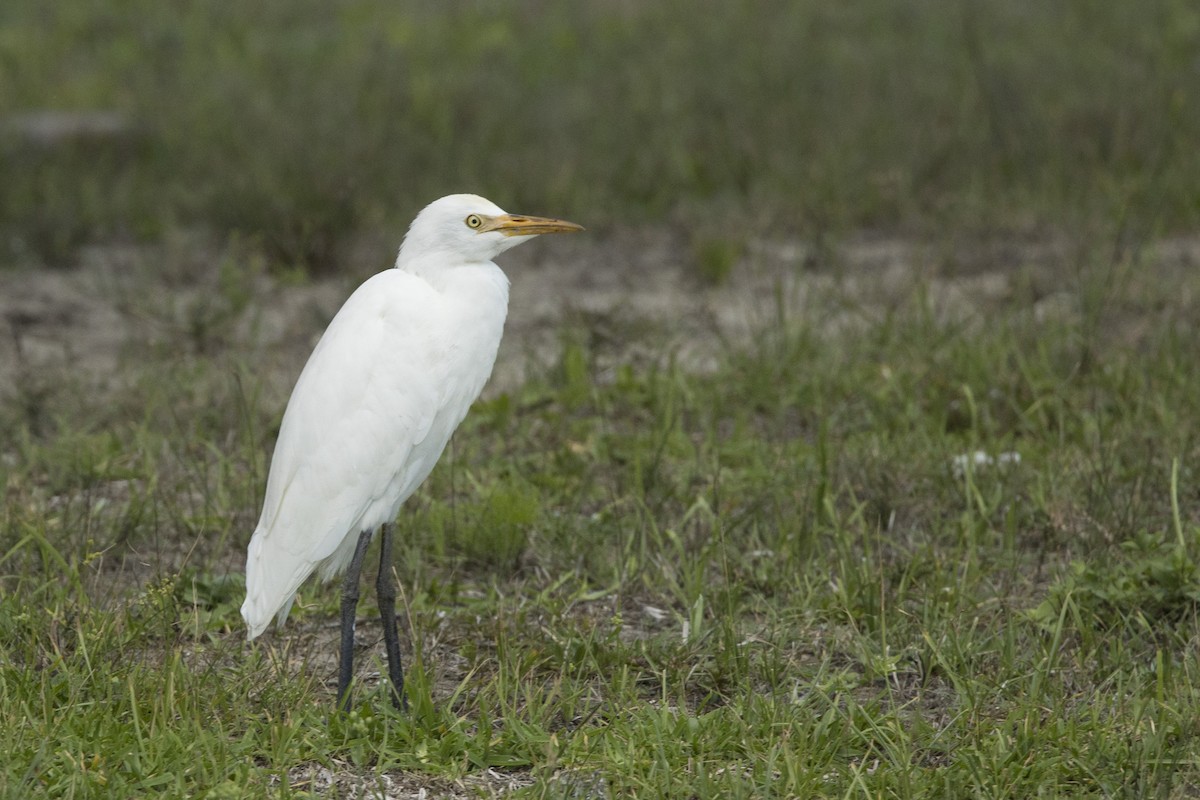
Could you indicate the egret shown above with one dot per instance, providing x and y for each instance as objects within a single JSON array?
[{"x": 387, "y": 384}]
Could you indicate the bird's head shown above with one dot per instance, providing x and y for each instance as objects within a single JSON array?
[{"x": 466, "y": 228}]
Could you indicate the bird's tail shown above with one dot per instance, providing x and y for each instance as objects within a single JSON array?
[{"x": 271, "y": 586}]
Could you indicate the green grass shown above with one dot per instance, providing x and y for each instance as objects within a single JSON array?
[
  {"x": 296, "y": 125},
  {"x": 767, "y": 580},
  {"x": 629, "y": 577}
]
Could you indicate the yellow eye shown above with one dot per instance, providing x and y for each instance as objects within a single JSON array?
[{"x": 474, "y": 221}]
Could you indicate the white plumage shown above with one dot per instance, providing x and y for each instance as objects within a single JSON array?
[{"x": 373, "y": 409}]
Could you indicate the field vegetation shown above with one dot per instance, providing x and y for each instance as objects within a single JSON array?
[{"x": 927, "y": 526}]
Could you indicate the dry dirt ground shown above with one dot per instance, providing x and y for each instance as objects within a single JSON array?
[{"x": 633, "y": 294}]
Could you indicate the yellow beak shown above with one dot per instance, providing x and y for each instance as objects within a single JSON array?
[{"x": 517, "y": 225}]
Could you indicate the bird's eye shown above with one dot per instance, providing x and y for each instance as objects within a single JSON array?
[{"x": 474, "y": 221}]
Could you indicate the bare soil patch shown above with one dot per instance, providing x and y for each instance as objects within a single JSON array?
[{"x": 635, "y": 293}]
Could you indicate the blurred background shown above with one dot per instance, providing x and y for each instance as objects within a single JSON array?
[{"x": 297, "y": 126}]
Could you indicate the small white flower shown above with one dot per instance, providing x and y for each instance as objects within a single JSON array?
[
  {"x": 654, "y": 612},
  {"x": 979, "y": 459}
]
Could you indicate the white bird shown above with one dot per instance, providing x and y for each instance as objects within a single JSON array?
[{"x": 387, "y": 384}]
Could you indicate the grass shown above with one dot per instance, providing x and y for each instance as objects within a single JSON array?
[
  {"x": 296, "y": 126},
  {"x": 765, "y": 580},
  {"x": 772, "y": 576}
]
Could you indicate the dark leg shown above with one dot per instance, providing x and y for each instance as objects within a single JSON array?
[
  {"x": 349, "y": 605},
  {"x": 385, "y": 585}
]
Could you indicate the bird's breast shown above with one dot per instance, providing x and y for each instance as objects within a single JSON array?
[{"x": 463, "y": 339}]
